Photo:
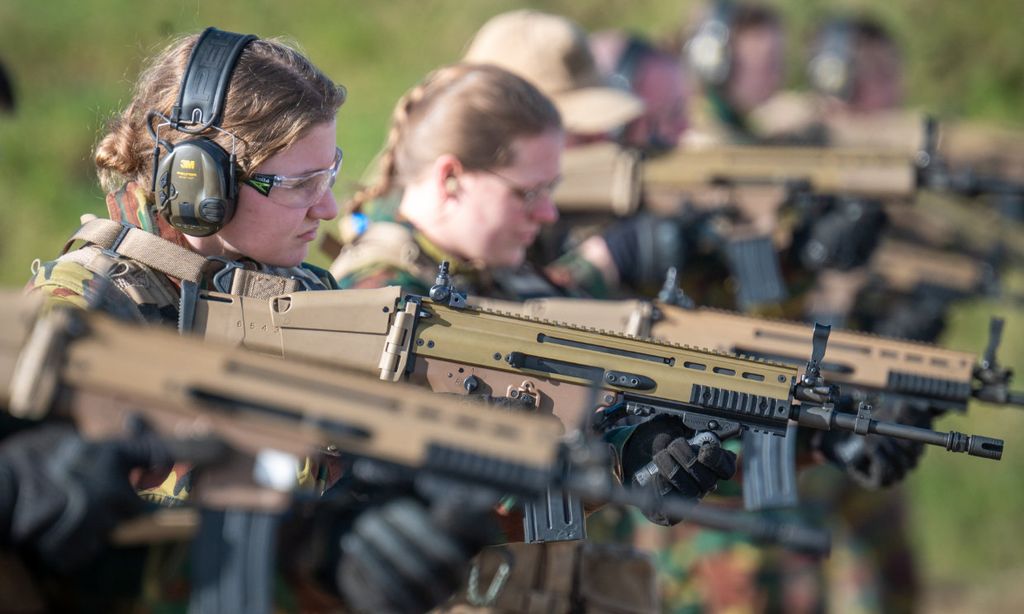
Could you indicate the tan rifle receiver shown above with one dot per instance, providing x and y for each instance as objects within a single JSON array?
[
  {"x": 462, "y": 350},
  {"x": 554, "y": 366},
  {"x": 946, "y": 379}
]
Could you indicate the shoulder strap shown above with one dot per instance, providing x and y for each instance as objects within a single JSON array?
[
  {"x": 141, "y": 246},
  {"x": 171, "y": 259},
  {"x": 384, "y": 243}
]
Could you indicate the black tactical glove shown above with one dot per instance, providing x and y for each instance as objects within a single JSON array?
[
  {"x": 643, "y": 248},
  {"x": 661, "y": 449},
  {"x": 842, "y": 237},
  {"x": 876, "y": 461},
  {"x": 400, "y": 557},
  {"x": 61, "y": 495}
]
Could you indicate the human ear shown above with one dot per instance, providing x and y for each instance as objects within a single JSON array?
[{"x": 445, "y": 173}]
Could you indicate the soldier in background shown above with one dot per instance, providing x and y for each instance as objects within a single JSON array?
[
  {"x": 656, "y": 77},
  {"x": 735, "y": 55},
  {"x": 856, "y": 69},
  {"x": 466, "y": 176}
]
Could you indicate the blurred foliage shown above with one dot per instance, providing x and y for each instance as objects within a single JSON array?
[{"x": 74, "y": 63}]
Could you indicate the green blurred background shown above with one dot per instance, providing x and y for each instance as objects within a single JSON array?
[{"x": 74, "y": 63}]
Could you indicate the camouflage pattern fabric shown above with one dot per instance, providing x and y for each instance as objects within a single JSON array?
[{"x": 713, "y": 122}]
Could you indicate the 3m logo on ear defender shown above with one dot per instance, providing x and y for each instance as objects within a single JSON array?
[{"x": 187, "y": 164}]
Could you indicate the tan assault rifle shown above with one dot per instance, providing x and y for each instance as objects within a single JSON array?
[
  {"x": 735, "y": 194},
  {"x": 945, "y": 379},
  {"x": 605, "y": 177},
  {"x": 100, "y": 372},
  {"x": 756, "y": 181},
  {"x": 451, "y": 347}
]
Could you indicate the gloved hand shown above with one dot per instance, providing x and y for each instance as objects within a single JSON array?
[
  {"x": 660, "y": 449},
  {"x": 643, "y": 247},
  {"x": 401, "y": 557},
  {"x": 876, "y": 461},
  {"x": 843, "y": 237},
  {"x": 61, "y": 495}
]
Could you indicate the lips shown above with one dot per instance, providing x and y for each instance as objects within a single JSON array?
[{"x": 309, "y": 235}]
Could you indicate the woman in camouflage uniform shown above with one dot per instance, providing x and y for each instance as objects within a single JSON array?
[
  {"x": 278, "y": 122},
  {"x": 466, "y": 176}
]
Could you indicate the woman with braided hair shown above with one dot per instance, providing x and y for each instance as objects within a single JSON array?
[
  {"x": 466, "y": 176},
  {"x": 224, "y": 190},
  {"x": 467, "y": 173}
]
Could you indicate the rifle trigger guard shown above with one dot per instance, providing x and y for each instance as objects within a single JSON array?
[{"x": 497, "y": 582}]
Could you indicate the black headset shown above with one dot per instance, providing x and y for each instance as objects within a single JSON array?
[
  {"x": 830, "y": 70},
  {"x": 636, "y": 51},
  {"x": 633, "y": 54},
  {"x": 709, "y": 51},
  {"x": 195, "y": 182}
]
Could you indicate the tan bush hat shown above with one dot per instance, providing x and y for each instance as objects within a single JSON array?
[{"x": 552, "y": 53}]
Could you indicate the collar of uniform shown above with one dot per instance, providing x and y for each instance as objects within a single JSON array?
[
  {"x": 385, "y": 209},
  {"x": 456, "y": 265},
  {"x": 727, "y": 114},
  {"x": 133, "y": 204}
]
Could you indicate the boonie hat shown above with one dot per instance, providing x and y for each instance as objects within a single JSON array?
[{"x": 551, "y": 52}]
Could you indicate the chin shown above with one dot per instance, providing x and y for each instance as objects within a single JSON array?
[{"x": 284, "y": 260}]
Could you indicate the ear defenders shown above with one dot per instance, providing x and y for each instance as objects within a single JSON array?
[
  {"x": 195, "y": 182},
  {"x": 633, "y": 54},
  {"x": 830, "y": 71},
  {"x": 708, "y": 53}
]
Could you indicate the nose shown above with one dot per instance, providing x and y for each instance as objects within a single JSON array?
[
  {"x": 544, "y": 210},
  {"x": 326, "y": 208}
]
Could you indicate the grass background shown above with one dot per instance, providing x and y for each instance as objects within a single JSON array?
[{"x": 74, "y": 64}]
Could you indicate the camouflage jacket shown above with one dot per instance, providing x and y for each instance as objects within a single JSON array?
[
  {"x": 713, "y": 123},
  {"x": 154, "y": 577},
  {"x": 91, "y": 277}
]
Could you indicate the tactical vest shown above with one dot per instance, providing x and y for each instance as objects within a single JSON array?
[{"x": 134, "y": 273}]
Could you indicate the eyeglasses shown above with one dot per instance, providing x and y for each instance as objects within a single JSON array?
[
  {"x": 300, "y": 191},
  {"x": 529, "y": 196}
]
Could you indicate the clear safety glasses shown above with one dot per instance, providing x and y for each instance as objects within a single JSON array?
[
  {"x": 300, "y": 191},
  {"x": 529, "y": 196}
]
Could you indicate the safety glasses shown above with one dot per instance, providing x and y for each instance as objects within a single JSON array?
[
  {"x": 300, "y": 191},
  {"x": 529, "y": 196}
]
